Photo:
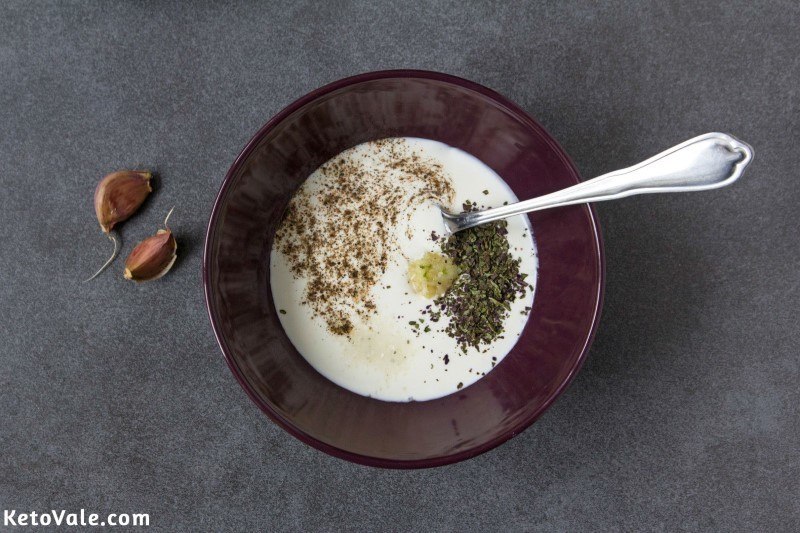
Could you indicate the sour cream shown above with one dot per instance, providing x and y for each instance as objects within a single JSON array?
[{"x": 382, "y": 355}]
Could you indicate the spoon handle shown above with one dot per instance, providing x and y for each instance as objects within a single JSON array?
[{"x": 706, "y": 162}]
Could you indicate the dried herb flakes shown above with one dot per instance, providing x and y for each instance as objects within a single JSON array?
[{"x": 479, "y": 301}]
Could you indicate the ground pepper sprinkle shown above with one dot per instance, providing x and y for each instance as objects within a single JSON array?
[{"x": 340, "y": 236}]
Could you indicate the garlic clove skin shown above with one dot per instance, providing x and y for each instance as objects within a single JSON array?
[
  {"x": 152, "y": 258},
  {"x": 119, "y": 195}
]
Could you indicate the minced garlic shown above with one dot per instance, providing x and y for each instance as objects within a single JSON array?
[{"x": 432, "y": 275}]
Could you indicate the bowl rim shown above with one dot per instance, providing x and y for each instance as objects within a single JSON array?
[{"x": 358, "y": 458}]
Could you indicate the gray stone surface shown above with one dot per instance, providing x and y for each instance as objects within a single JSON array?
[{"x": 115, "y": 397}]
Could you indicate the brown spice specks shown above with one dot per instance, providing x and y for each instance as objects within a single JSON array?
[{"x": 338, "y": 231}]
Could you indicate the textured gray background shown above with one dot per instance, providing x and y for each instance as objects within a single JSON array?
[{"x": 115, "y": 397}]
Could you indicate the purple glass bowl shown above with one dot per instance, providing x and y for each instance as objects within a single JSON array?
[{"x": 251, "y": 202}]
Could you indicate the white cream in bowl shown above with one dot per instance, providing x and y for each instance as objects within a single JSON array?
[{"x": 338, "y": 269}]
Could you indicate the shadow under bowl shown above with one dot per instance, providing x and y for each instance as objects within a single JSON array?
[{"x": 249, "y": 208}]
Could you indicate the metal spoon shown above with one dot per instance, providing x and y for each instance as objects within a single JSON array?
[{"x": 706, "y": 162}]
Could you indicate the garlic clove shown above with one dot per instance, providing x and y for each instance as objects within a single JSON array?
[
  {"x": 152, "y": 258},
  {"x": 119, "y": 195}
]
